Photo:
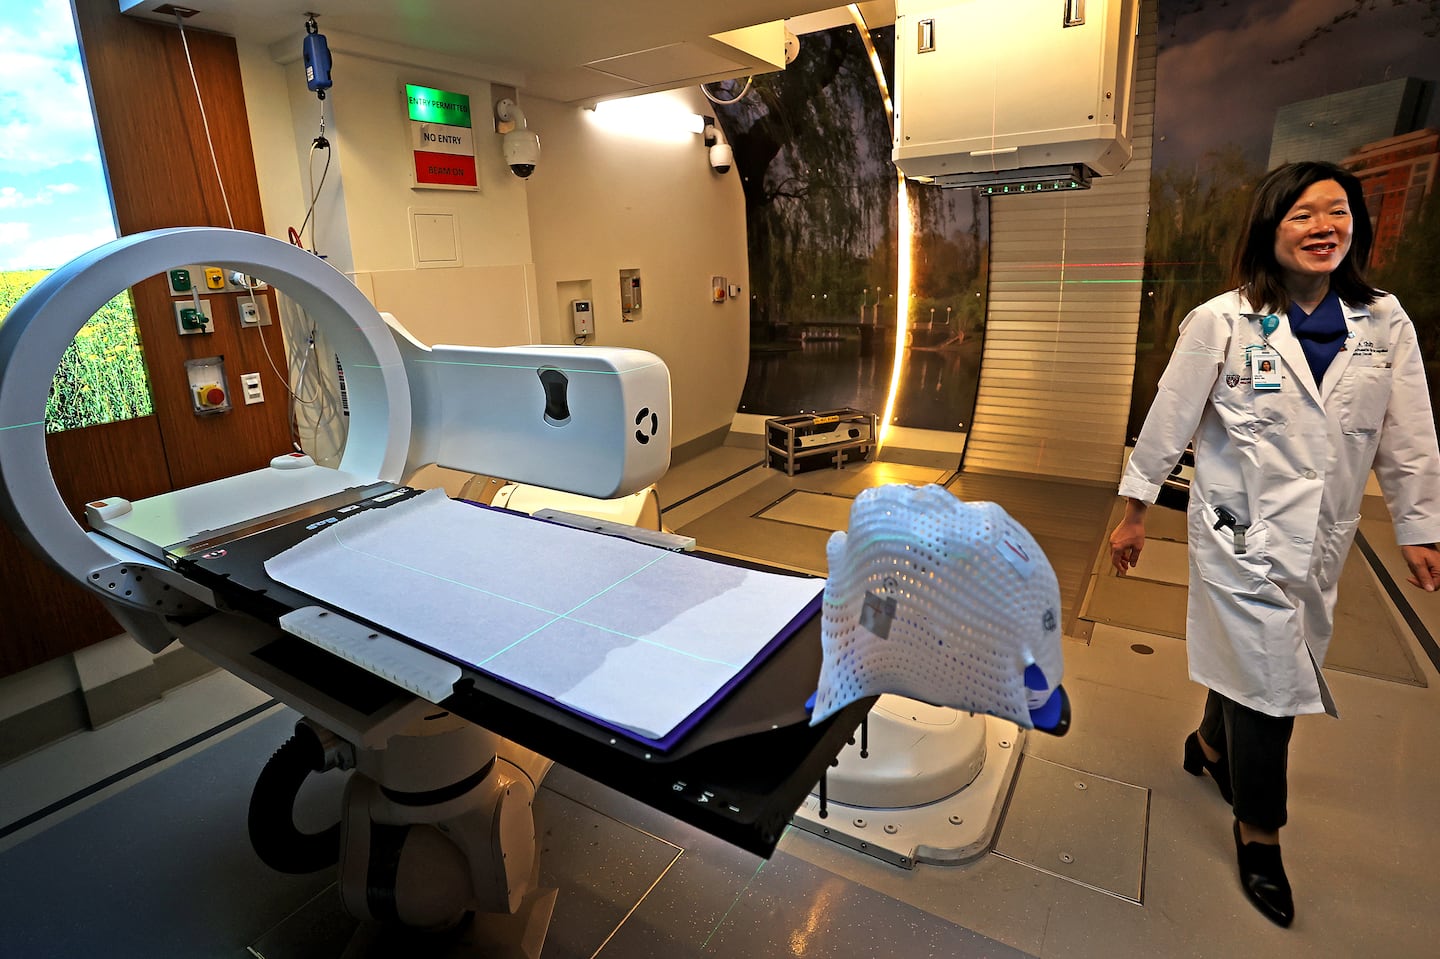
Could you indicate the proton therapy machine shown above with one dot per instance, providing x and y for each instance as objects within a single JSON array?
[{"x": 449, "y": 652}]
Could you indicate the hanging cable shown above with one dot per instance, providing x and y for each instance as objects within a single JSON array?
[
  {"x": 204, "y": 121},
  {"x": 735, "y": 99},
  {"x": 319, "y": 143}
]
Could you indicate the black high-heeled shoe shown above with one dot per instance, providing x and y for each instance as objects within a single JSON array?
[
  {"x": 1262, "y": 876},
  {"x": 1197, "y": 765}
]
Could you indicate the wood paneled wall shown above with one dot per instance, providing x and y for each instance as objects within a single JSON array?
[
  {"x": 161, "y": 175},
  {"x": 160, "y": 171}
]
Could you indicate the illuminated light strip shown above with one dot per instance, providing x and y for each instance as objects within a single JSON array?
[{"x": 905, "y": 233}]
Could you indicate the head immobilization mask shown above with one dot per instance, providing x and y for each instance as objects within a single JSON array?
[{"x": 940, "y": 600}]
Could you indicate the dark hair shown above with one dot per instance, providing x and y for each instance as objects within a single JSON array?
[{"x": 1255, "y": 271}]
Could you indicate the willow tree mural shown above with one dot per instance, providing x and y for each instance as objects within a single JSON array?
[
  {"x": 1241, "y": 88},
  {"x": 812, "y": 147}
]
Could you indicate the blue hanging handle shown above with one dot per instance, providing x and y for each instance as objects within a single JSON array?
[{"x": 317, "y": 59}]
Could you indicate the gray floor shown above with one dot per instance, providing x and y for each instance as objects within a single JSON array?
[{"x": 1108, "y": 848}]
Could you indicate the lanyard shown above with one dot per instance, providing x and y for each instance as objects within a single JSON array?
[{"x": 1268, "y": 324}]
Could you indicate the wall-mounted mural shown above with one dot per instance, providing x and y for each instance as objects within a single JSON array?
[
  {"x": 1244, "y": 87},
  {"x": 812, "y": 147},
  {"x": 55, "y": 205}
]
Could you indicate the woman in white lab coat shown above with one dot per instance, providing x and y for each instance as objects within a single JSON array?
[{"x": 1292, "y": 387}]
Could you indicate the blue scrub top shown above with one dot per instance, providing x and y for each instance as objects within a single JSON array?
[{"x": 1321, "y": 334}]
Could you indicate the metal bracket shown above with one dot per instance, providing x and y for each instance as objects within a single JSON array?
[{"x": 143, "y": 587}]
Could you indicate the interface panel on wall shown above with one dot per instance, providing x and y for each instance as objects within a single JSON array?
[
  {"x": 208, "y": 392},
  {"x": 211, "y": 279},
  {"x": 582, "y": 317},
  {"x": 192, "y": 286}
]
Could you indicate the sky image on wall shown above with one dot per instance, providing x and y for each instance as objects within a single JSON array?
[
  {"x": 1242, "y": 87},
  {"x": 812, "y": 148},
  {"x": 55, "y": 205}
]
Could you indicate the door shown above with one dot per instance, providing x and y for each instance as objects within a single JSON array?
[{"x": 122, "y": 421}]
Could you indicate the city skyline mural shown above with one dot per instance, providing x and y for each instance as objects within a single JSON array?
[{"x": 1242, "y": 88}]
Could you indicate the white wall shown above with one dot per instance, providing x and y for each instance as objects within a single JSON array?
[
  {"x": 603, "y": 201},
  {"x": 272, "y": 138},
  {"x": 598, "y": 202}
]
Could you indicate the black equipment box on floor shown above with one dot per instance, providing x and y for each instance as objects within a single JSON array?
[{"x": 829, "y": 438}]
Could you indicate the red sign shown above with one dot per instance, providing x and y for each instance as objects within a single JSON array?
[{"x": 446, "y": 169}]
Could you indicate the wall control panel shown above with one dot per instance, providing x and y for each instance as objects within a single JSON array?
[
  {"x": 184, "y": 280},
  {"x": 254, "y": 312},
  {"x": 208, "y": 392},
  {"x": 194, "y": 316},
  {"x": 583, "y": 317}
]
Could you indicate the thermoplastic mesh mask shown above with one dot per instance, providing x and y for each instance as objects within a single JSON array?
[{"x": 942, "y": 601}]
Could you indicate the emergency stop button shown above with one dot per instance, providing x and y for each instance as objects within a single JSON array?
[{"x": 209, "y": 396}]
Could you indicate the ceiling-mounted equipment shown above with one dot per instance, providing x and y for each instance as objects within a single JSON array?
[
  {"x": 316, "y": 53},
  {"x": 1014, "y": 97}
]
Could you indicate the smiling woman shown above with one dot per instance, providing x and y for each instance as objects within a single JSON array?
[{"x": 54, "y": 205}]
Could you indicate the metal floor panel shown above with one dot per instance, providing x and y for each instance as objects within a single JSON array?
[
  {"x": 819, "y": 510},
  {"x": 1078, "y": 826}
]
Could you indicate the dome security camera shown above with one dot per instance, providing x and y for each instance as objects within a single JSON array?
[
  {"x": 519, "y": 143},
  {"x": 522, "y": 151},
  {"x": 721, "y": 157}
]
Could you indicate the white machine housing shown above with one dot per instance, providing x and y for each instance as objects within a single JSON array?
[
  {"x": 988, "y": 87},
  {"x": 604, "y": 431}
]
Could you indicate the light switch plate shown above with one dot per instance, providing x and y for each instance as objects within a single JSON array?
[{"x": 250, "y": 387}]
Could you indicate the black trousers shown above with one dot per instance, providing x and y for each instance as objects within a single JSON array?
[{"x": 1256, "y": 747}]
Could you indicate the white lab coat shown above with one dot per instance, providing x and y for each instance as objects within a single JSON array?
[{"x": 1292, "y": 465}]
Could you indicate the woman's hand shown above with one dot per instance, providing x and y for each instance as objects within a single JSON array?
[
  {"x": 1128, "y": 538},
  {"x": 1424, "y": 563}
]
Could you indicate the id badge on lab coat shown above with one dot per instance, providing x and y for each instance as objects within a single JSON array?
[{"x": 1265, "y": 369}]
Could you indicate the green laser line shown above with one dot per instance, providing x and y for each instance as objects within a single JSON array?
[
  {"x": 744, "y": 889},
  {"x": 556, "y": 617}
]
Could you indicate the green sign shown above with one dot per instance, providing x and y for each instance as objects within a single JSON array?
[{"x": 428, "y": 105}]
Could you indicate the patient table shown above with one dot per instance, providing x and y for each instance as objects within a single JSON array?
[{"x": 191, "y": 566}]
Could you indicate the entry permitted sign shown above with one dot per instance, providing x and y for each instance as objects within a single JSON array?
[{"x": 441, "y": 138}]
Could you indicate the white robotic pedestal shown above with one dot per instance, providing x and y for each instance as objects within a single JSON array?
[
  {"x": 930, "y": 789},
  {"x": 438, "y": 854}
]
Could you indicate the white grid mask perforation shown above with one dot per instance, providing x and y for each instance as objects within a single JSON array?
[{"x": 940, "y": 600}]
